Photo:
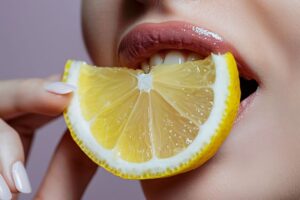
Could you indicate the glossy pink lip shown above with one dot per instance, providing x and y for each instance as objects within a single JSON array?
[
  {"x": 146, "y": 39},
  {"x": 149, "y": 38}
]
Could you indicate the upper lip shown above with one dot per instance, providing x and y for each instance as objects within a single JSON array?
[{"x": 146, "y": 39}]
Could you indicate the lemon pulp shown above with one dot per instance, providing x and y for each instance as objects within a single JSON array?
[{"x": 141, "y": 126}]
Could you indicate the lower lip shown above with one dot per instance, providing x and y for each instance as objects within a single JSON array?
[{"x": 245, "y": 105}]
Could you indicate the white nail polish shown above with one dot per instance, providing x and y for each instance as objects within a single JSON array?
[
  {"x": 20, "y": 177},
  {"x": 5, "y": 193},
  {"x": 60, "y": 88}
]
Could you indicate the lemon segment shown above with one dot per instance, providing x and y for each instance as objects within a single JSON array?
[
  {"x": 108, "y": 125},
  {"x": 135, "y": 145},
  {"x": 172, "y": 132},
  {"x": 165, "y": 122},
  {"x": 97, "y": 82}
]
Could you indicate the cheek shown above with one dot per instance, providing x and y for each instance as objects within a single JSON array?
[
  {"x": 259, "y": 160},
  {"x": 100, "y": 27}
]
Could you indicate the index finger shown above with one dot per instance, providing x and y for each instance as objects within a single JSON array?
[{"x": 33, "y": 96}]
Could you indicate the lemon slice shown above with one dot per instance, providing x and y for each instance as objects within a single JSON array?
[{"x": 143, "y": 126}]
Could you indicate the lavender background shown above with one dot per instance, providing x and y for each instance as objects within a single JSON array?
[{"x": 36, "y": 38}]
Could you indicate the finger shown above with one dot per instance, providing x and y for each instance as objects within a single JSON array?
[
  {"x": 11, "y": 160},
  {"x": 33, "y": 96},
  {"x": 26, "y": 125},
  {"x": 4, "y": 189},
  {"x": 69, "y": 173}
]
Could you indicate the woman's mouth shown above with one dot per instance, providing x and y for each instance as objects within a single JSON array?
[{"x": 174, "y": 42}]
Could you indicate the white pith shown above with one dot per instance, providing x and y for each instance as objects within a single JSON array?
[
  {"x": 82, "y": 129},
  {"x": 144, "y": 82}
]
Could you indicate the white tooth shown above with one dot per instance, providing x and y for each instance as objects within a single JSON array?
[
  {"x": 193, "y": 56},
  {"x": 145, "y": 67},
  {"x": 156, "y": 59},
  {"x": 174, "y": 57}
]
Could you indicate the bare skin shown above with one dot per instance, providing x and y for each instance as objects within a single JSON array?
[
  {"x": 259, "y": 160},
  {"x": 25, "y": 107}
]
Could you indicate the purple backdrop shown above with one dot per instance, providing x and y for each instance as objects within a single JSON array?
[{"x": 36, "y": 38}]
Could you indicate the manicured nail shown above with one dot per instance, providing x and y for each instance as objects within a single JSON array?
[
  {"x": 5, "y": 193},
  {"x": 60, "y": 88},
  {"x": 20, "y": 177}
]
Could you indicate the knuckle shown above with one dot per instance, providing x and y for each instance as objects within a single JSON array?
[
  {"x": 31, "y": 83},
  {"x": 22, "y": 90},
  {"x": 27, "y": 85}
]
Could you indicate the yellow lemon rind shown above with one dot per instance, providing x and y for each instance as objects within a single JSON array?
[{"x": 198, "y": 158}]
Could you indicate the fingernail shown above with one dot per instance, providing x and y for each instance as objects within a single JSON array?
[
  {"x": 60, "y": 88},
  {"x": 20, "y": 177},
  {"x": 5, "y": 193}
]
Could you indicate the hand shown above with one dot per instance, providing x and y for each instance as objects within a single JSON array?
[{"x": 25, "y": 106}]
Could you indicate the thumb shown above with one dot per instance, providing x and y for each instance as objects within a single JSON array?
[{"x": 38, "y": 96}]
